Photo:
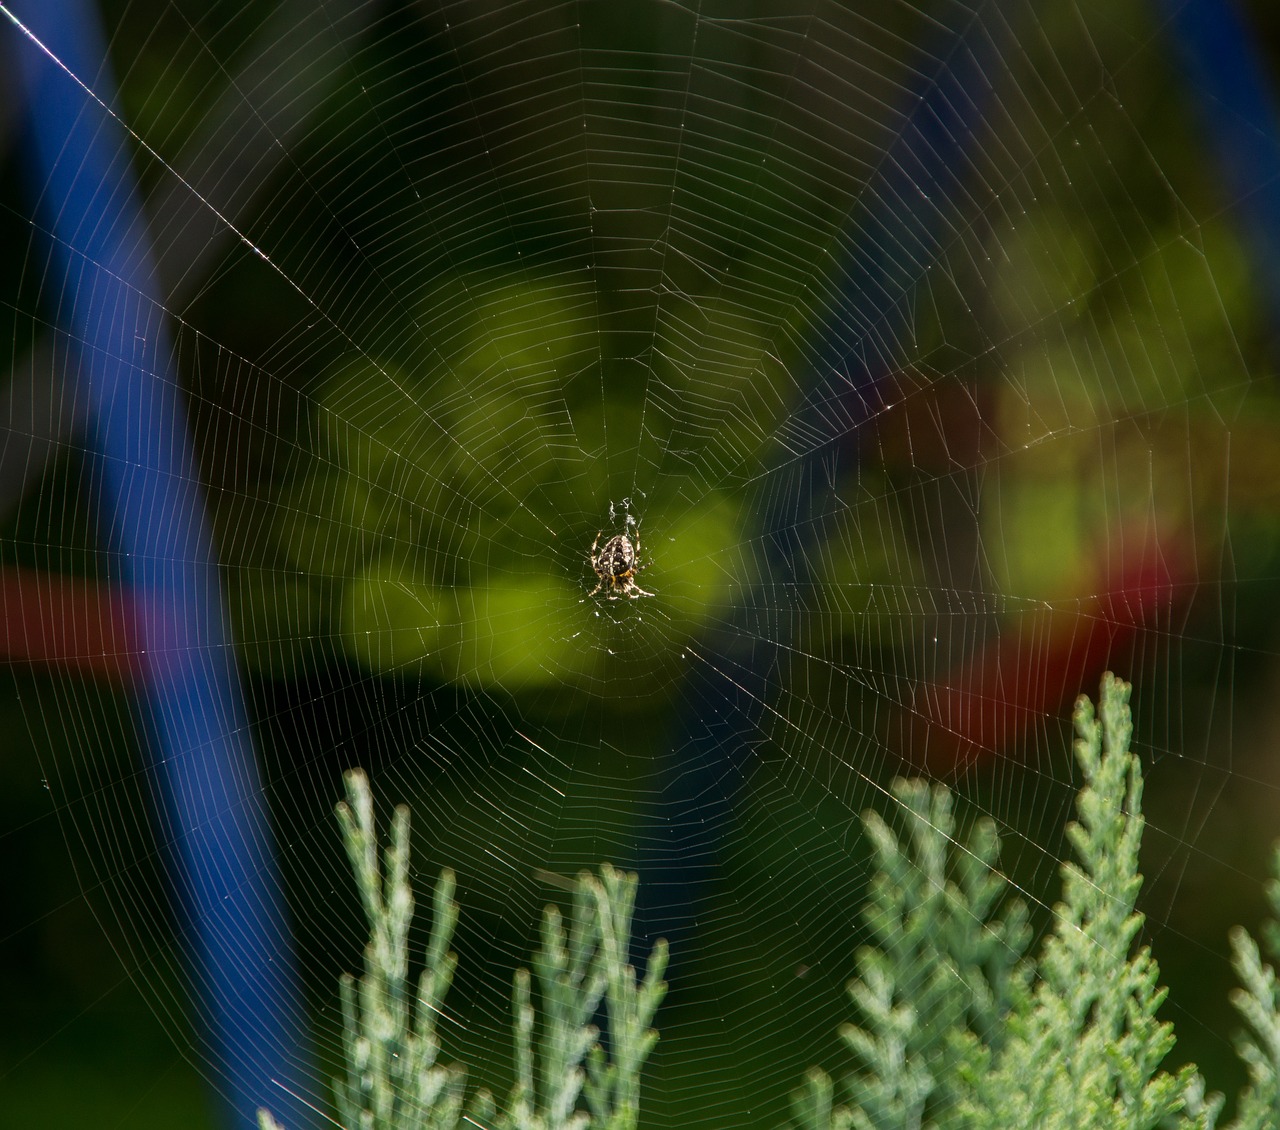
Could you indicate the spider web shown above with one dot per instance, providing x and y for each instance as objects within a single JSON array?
[{"x": 919, "y": 348}]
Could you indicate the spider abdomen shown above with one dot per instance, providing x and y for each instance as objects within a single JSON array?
[
  {"x": 618, "y": 558},
  {"x": 616, "y": 564}
]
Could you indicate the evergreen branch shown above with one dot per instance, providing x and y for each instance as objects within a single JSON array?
[
  {"x": 392, "y": 1079},
  {"x": 1085, "y": 1046}
]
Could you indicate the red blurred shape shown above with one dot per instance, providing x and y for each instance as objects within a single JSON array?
[
  {"x": 1043, "y": 662},
  {"x": 69, "y": 624}
]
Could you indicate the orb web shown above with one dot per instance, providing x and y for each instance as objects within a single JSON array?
[{"x": 923, "y": 351}]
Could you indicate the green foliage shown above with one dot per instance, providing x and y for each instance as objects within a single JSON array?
[
  {"x": 934, "y": 981},
  {"x": 960, "y": 1029},
  {"x": 1084, "y": 1046},
  {"x": 576, "y": 968},
  {"x": 390, "y": 1042},
  {"x": 1258, "y": 1002},
  {"x": 393, "y": 1079}
]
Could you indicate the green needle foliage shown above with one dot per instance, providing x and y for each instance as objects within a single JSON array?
[
  {"x": 1258, "y": 1002},
  {"x": 1084, "y": 1045},
  {"x": 577, "y": 967},
  {"x": 960, "y": 1030},
  {"x": 959, "y": 1026},
  {"x": 393, "y": 1079},
  {"x": 389, "y": 1036},
  {"x": 935, "y": 979}
]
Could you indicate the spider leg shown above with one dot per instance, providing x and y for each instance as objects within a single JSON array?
[{"x": 633, "y": 590}]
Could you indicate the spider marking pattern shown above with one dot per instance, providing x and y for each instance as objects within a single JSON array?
[{"x": 616, "y": 564}]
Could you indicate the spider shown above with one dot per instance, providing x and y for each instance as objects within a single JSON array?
[{"x": 617, "y": 565}]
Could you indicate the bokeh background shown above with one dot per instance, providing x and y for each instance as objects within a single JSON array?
[{"x": 929, "y": 351}]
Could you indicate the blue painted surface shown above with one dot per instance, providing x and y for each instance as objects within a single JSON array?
[
  {"x": 1235, "y": 100},
  {"x": 147, "y": 486}
]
